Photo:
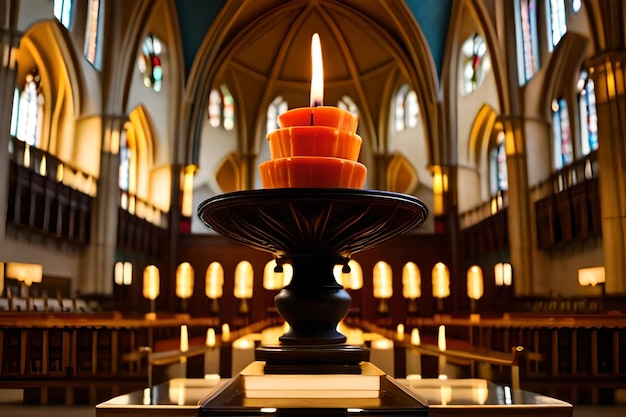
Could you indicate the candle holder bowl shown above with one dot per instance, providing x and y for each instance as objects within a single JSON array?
[{"x": 313, "y": 229}]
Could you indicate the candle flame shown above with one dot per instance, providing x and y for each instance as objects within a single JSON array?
[{"x": 317, "y": 76}]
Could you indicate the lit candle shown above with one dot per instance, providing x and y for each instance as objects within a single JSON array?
[
  {"x": 184, "y": 342},
  {"x": 212, "y": 355},
  {"x": 315, "y": 146},
  {"x": 400, "y": 332},
  {"x": 441, "y": 343},
  {"x": 414, "y": 358},
  {"x": 225, "y": 332}
]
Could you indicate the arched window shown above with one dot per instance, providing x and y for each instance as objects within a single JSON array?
[
  {"x": 221, "y": 108},
  {"x": 588, "y": 114},
  {"x": 27, "y": 117},
  {"x": 499, "y": 173},
  {"x": 563, "y": 150},
  {"x": 406, "y": 108},
  {"x": 63, "y": 12},
  {"x": 149, "y": 63},
  {"x": 475, "y": 63},
  {"x": 276, "y": 107},
  {"x": 527, "y": 35},
  {"x": 93, "y": 34},
  {"x": 123, "y": 273},
  {"x": 346, "y": 103},
  {"x": 558, "y": 25},
  {"x": 577, "y": 5},
  {"x": 128, "y": 169}
]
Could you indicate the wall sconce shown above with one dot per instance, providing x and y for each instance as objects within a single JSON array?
[
  {"x": 276, "y": 276},
  {"x": 441, "y": 283},
  {"x": 474, "y": 285},
  {"x": 503, "y": 274},
  {"x": 592, "y": 276},
  {"x": 244, "y": 279},
  {"x": 184, "y": 283},
  {"x": 151, "y": 285},
  {"x": 411, "y": 285},
  {"x": 214, "y": 285},
  {"x": 383, "y": 286},
  {"x": 187, "y": 189},
  {"x": 440, "y": 186},
  {"x": 26, "y": 274},
  {"x": 350, "y": 275},
  {"x": 123, "y": 273},
  {"x": 441, "y": 345}
]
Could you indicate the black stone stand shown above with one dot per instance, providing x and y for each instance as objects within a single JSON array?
[{"x": 313, "y": 230}]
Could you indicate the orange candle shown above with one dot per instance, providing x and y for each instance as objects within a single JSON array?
[{"x": 316, "y": 146}]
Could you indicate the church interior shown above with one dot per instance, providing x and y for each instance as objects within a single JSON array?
[{"x": 504, "y": 118}]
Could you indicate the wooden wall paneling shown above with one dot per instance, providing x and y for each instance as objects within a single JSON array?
[
  {"x": 68, "y": 361},
  {"x": 545, "y": 223},
  {"x": 94, "y": 351},
  {"x": 22, "y": 351},
  {"x": 593, "y": 204},
  {"x": 594, "y": 352},
  {"x": 554, "y": 352},
  {"x": 2, "y": 358}
]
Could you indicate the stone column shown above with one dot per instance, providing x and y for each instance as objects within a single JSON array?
[
  {"x": 9, "y": 40},
  {"x": 607, "y": 73},
  {"x": 519, "y": 221},
  {"x": 98, "y": 264}
]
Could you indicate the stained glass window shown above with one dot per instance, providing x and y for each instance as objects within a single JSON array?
[
  {"x": 558, "y": 25},
  {"x": 348, "y": 104},
  {"x": 221, "y": 108},
  {"x": 588, "y": 114},
  {"x": 92, "y": 38},
  {"x": 215, "y": 108},
  {"x": 563, "y": 150},
  {"x": 63, "y": 12},
  {"x": 27, "y": 118},
  {"x": 527, "y": 43},
  {"x": 406, "y": 108},
  {"x": 474, "y": 63},
  {"x": 499, "y": 173},
  {"x": 149, "y": 63},
  {"x": 125, "y": 163},
  {"x": 276, "y": 107}
]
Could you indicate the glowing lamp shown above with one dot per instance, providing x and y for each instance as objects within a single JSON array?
[
  {"x": 350, "y": 277},
  {"x": 26, "y": 273},
  {"x": 276, "y": 276},
  {"x": 441, "y": 281},
  {"x": 503, "y": 274},
  {"x": 591, "y": 276},
  {"x": 383, "y": 288},
  {"x": 151, "y": 282},
  {"x": 184, "y": 280},
  {"x": 475, "y": 282}
]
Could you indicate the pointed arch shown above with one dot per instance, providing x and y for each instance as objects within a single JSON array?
[
  {"x": 140, "y": 141},
  {"x": 481, "y": 133},
  {"x": 234, "y": 27},
  {"x": 563, "y": 70}
]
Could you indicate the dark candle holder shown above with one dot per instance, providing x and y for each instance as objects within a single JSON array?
[{"x": 313, "y": 230}]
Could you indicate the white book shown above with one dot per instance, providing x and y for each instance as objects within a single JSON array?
[
  {"x": 314, "y": 393},
  {"x": 256, "y": 380}
]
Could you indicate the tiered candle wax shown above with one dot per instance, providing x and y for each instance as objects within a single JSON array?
[{"x": 316, "y": 146}]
